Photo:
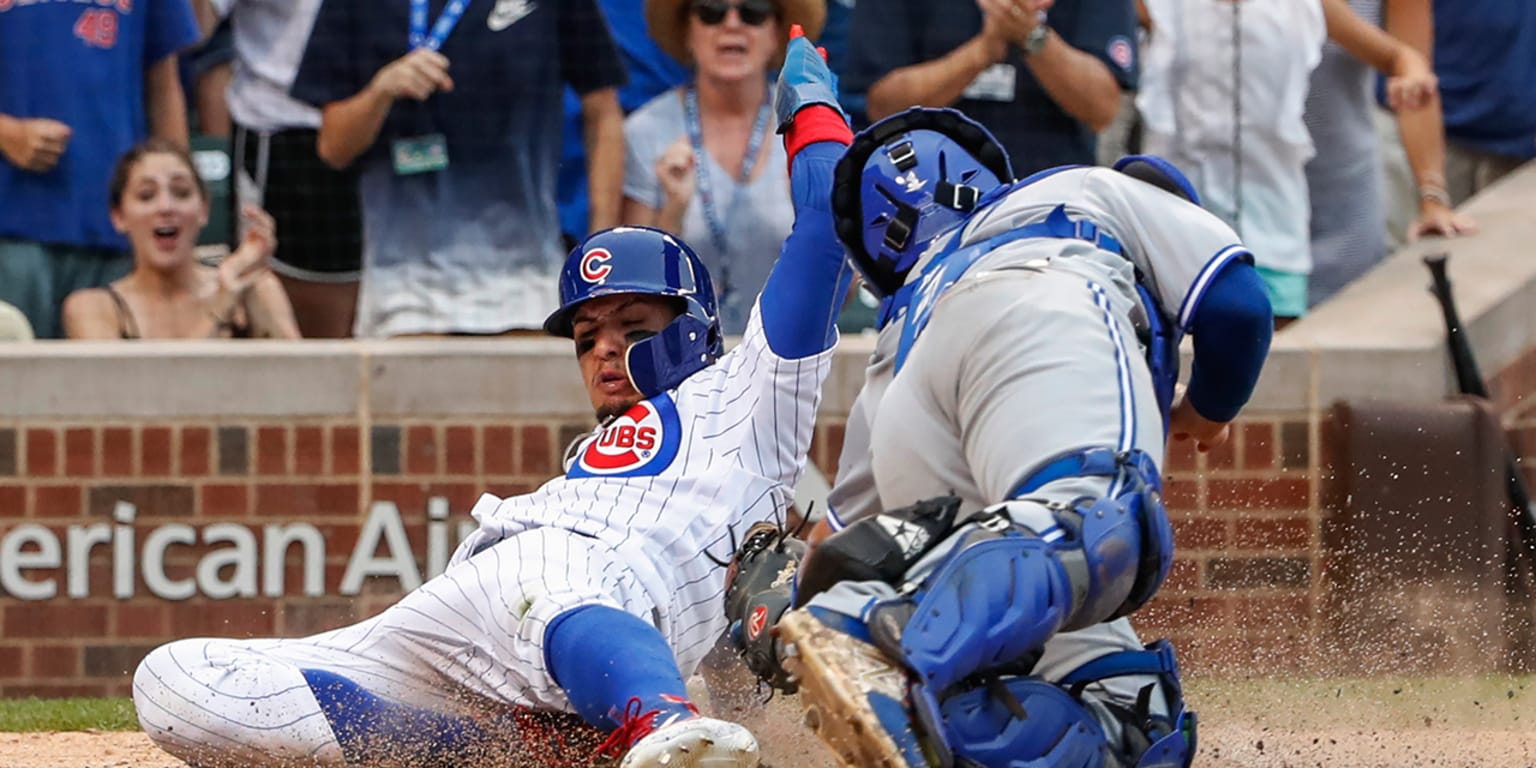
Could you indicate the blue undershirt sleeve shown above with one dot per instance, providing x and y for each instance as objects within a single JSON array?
[
  {"x": 1231, "y": 331},
  {"x": 805, "y": 290}
]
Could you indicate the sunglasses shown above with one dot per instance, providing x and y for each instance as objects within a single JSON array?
[{"x": 753, "y": 13}]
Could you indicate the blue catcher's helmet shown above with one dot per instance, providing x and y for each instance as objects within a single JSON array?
[
  {"x": 906, "y": 179},
  {"x": 652, "y": 262}
]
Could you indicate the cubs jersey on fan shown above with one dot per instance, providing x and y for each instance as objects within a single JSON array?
[{"x": 724, "y": 449}]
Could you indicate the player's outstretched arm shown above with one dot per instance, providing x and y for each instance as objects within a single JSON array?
[
  {"x": 1231, "y": 331},
  {"x": 804, "y": 292}
]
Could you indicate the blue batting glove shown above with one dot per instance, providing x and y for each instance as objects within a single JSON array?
[{"x": 805, "y": 80}]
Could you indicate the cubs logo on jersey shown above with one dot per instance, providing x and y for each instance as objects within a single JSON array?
[{"x": 643, "y": 441}]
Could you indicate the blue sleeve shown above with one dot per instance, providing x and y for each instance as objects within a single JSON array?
[
  {"x": 1104, "y": 29},
  {"x": 1231, "y": 329},
  {"x": 170, "y": 28},
  {"x": 805, "y": 290}
]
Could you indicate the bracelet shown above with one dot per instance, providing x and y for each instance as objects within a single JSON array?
[{"x": 1435, "y": 193}]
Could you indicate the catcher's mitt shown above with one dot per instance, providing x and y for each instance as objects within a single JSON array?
[{"x": 759, "y": 586}]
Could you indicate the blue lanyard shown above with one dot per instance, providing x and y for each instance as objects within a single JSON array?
[
  {"x": 717, "y": 226},
  {"x": 446, "y": 21}
]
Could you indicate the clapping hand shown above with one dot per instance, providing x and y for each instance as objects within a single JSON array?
[{"x": 240, "y": 270}]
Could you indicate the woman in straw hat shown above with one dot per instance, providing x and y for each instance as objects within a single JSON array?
[{"x": 700, "y": 162}]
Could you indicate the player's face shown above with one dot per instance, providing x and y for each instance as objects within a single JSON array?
[{"x": 603, "y": 329}]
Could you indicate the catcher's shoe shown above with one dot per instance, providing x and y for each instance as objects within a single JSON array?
[
  {"x": 679, "y": 737},
  {"x": 854, "y": 697}
]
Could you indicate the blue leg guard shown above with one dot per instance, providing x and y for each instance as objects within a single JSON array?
[
  {"x": 989, "y": 603},
  {"x": 1163, "y": 742},
  {"x": 1023, "y": 722},
  {"x": 369, "y": 728}
]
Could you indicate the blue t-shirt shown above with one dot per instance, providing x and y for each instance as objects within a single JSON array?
[
  {"x": 1485, "y": 57},
  {"x": 83, "y": 65},
  {"x": 473, "y": 247},
  {"x": 651, "y": 72},
  {"x": 1037, "y": 133}
]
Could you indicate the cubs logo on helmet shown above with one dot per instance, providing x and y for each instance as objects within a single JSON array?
[
  {"x": 595, "y": 266},
  {"x": 642, "y": 441}
]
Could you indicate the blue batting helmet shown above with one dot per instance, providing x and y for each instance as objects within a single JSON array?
[
  {"x": 652, "y": 262},
  {"x": 906, "y": 179}
]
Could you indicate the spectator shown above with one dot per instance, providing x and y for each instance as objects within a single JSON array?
[
  {"x": 697, "y": 160},
  {"x": 1043, "y": 77},
  {"x": 206, "y": 70},
  {"x": 1223, "y": 90},
  {"x": 457, "y": 172},
  {"x": 81, "y": 84},
  {"x": 651, "y": 71},
  {"x": 1485, "y": 56},
  {"x": 1345, "y": 177},
  {"x": 277, "y": 168},
  {"x": 160, "y": 204}
]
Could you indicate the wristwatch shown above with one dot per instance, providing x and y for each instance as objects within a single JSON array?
[{"x": 1035, "y": 42}]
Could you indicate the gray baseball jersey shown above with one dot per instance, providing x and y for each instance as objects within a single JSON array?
[
  {"x": 643, "y": 497},
  {"x": 1033, "y": 353}
]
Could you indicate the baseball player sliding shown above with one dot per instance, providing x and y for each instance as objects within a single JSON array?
[
  {"x": 591, "y": 594},
  {"x": 1021, "y": 387}
]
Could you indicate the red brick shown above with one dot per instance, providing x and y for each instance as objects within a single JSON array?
[
  {"x": 272, "y": 451},
  {"x": 303, "y": 502},
  {"x": 80, "y": 452},
  {"x": 1184, "y": 575},
  {"x": 537, "y": 453},
  {"x": 1259, "y": 444},
  {"x": 1182, "y": 495},
  {"x": 1223, "y": 457},
  {"x": 461, "y": 496},
  {"x": 421, "y": 451},
  {"x": 346, "y": 452},
  {"x": 140, "y": 620},
  {"x": 117, "y": 452},
  {"x": 507, "y": 490},
  {"x": 309, "y": 451},
  {"x": 195, "y": 442},
  {"x": 1181, "y": 456},
  {"x": 832, "y": 445},
  {"x": 1199, "y": 533},
  {"x": 224, "y": 501},
  {"x": 10, "y": 661},
  {"x": 226, "y": 618},
  {"x": 13, "y": 501},
  {"x": 155, "y": 451},
  {"x": 1274, "y": 614},
  {"x": 57, "y": 501},
  {"x": 1283, "y": 533},
  {"x": 406, "y": 496},
  {"x": 498, "y": 450},
  {"x": 1259, "y": 493},
  {"x": 1182, "y": 613},
  {"x": 42, "y": 453},
  {"x": 55, "y": 619},
  {"x": 54, "y": 661},
  {"x": 459, "y": 450}
]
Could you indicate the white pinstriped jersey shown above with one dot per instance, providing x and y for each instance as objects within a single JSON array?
[{"x": 663, "y": 482}]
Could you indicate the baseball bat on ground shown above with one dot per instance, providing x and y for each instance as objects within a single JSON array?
[{"x": 1470, "y": 381}]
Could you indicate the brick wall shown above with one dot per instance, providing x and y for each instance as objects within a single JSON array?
[{"x": 1247, "y": 591}]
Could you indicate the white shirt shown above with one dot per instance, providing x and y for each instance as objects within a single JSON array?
[
  {"x": 1253, "y": 177},
  {"x": 270, "y": 36}
]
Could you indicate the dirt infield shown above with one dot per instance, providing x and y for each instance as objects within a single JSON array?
[{"x": 1377, "y": 723}]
